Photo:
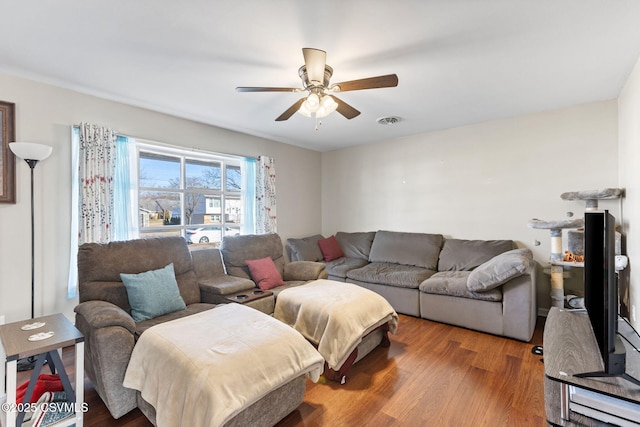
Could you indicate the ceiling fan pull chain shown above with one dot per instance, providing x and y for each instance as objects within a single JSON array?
[{"x": 318, "y": 124}]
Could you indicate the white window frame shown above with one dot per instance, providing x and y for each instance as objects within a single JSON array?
[{"x": 184, "y": 155}]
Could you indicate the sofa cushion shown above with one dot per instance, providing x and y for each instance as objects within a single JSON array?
[
  {"x": 356, "y": 245},
  {"x": 191, "y": 309},
  {"x": 237, "y": 249},
  {"x": 341, "y": 266},
  {"x": 465, "y": 255},
  {"x": 264, "y": 273},
  {"x": 153, "y": 293},
  {"x": 384, "y": 273},
  {"x": 416, "y": 249},
  {"x": 454, "y": 283},
  {"x": 500, "y": 269},
  {"x": 330, "y": 248},
  {"x": 305, "y": 249}
]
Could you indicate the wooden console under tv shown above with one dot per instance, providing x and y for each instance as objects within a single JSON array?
[{"x": 570, "y": 348}]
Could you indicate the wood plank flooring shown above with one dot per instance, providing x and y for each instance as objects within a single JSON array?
[{"x": 432, "y": 375}]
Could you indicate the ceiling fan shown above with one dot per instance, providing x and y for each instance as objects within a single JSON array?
[{"x": 320, "y": 101}]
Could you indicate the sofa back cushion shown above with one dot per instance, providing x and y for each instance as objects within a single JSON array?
[
  {"x": 100, "y": 265},
  {"x": 465, "y": 255},
  {"x": 305, "y": 249},
  {"x": 417, "y": 249},
  {"x": 236, "y": 250},
  {"x": 207, "y": 262},
  {"x": 356, "y": 245}
]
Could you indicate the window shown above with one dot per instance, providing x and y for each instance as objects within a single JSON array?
[{"x": 193, "y": 194}]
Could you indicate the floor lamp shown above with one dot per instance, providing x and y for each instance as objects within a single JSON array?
[{"x": 31, "y": 153}]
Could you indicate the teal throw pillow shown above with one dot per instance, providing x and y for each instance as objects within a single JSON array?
[{"x": 153, "y": 293}]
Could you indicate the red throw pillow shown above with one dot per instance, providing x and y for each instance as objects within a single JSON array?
[
  {"x": 265, "y": 273},
  {"x": 330, "y": 248}
]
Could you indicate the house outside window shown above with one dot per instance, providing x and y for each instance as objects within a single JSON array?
[{"x": 193, "y": 194}]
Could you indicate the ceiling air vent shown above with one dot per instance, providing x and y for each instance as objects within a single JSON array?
[{"x": 392, "y": 120}]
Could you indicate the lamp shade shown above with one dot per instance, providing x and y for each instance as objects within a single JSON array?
[{"x": 30, "y": 150}]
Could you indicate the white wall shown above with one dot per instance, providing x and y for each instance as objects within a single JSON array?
[
  {"x": 483, "y": 181},
  {"x": 629, "y": 162},
  {"x": 44, "y": 114}
]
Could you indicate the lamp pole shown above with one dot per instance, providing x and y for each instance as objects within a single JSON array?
[
  {"x": 31, "y": 153},
  {"x": 32, "y": 165}
]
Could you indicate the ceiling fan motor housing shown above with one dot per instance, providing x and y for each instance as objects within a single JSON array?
[{"x": 307, "y": 84}]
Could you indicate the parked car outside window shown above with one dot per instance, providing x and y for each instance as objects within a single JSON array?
[{"x": 209, "y": 235}]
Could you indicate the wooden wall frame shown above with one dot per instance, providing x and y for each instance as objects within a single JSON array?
[{"x": 7, "y": 159}]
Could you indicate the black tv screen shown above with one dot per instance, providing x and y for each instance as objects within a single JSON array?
[{"x": 600, "y": 286}]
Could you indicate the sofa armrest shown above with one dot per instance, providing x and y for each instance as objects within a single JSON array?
[
  {"x": 213, "y": 289},
  {"x": 304, "y": 270},
  {"x": 519, "y": 305},
  {"x": 109, "y": 340},
  {"x": 101, "y": 314}
]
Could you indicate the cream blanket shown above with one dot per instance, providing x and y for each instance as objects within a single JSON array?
[
  {"x": 203, "y": 369},
  {"x": 335, "y": 316}
]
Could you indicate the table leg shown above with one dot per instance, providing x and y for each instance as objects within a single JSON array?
[
  {"x": 12, "y": 373},
  {"x": 79, "y": 383},
  {"x": 32, "y": 385},
  {"x": 66, "y": 384}
]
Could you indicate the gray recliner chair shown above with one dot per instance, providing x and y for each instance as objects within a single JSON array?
[
  {"x": 104, "y": 314},
  {"x": 236, "y": 250}
]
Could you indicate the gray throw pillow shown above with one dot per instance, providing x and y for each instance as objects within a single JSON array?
[
  {"x": 305, "y": 249},
  {"x": 499, "y": 270},
  {"x": 153, "y": 293}
]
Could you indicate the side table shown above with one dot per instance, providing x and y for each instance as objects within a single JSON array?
[{"x": 17, "y": 346}]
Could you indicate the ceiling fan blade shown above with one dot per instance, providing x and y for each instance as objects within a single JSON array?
[
  {"x": 267, "y": 89},
  {"x": 290, "y": 111},
  {"x": 345, "y": 109},
  {"x": 314, "y": 61},
  {"x": 389, "y": 80}
]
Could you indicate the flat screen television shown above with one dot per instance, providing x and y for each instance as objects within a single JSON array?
[{"x": 601, "y": 292}]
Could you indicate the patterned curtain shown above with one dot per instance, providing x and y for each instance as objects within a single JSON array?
[
  {"x": 265, "y": 195},
  {"x": 96, "y": 179}
]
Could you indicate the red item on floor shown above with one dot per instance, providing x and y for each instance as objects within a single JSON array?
[{"x": 44, "y": 383}]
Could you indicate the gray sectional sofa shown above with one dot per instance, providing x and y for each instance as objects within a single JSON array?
[
  {"x": 104, "y": 316},
  {"x": 485, "y": 285}
]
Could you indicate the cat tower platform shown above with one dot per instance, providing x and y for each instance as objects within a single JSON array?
[{"x": 576, "y": 238}]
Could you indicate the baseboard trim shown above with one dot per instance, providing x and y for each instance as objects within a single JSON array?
[{"x": 543, "y": 312}]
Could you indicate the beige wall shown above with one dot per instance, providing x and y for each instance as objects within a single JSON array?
[
  {"x": 482, "y": 181},
  {"x": 45, "y": 114},
  {"x": 629, "y": 161},
  {"x": 476, "y": 182}
]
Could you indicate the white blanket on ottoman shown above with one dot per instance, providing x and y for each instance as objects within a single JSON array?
[
  {"x": 203, "y": 369},
  {"x": 335, "y": 316}
]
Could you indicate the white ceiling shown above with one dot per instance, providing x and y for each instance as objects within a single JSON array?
[{"x": 458, "y": 61}]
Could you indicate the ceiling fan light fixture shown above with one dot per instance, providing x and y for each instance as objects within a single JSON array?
[
  {"x": 312, "y": 103},
  {"x": 327, "y": 106},
  {"x": 304, "y": 110}
]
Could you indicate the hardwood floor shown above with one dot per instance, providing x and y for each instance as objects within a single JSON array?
[{"x": 432, "y": 375}]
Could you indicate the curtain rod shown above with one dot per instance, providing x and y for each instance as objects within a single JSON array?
[{"x": 167, "y": 145}]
